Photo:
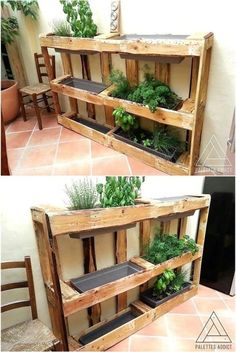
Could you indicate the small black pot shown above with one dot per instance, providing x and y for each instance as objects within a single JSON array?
[
  {"x": 171, "y": 155},
  {"x": 148, "y": 298}
]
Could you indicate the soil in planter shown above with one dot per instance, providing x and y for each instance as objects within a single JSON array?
[
  {"x": 136, "y": 138},
  {"x": 153, "y": 301},
  {"x": 84, "y": 84},
  {"x": 108, "y": 327},
  {"x": 96, "y": 126}
]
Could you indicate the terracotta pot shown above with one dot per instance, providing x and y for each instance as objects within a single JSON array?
[{"x": 10, "y": 100}]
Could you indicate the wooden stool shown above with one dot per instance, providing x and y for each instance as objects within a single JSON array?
[{"x": 37, "y": 92}]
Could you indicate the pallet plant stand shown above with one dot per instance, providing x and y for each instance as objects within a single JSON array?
[
  {"x": 63, "y": 300},
  {"x": 164, "y": 50}
]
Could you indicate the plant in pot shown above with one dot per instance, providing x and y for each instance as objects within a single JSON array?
[
  {"x": 9, "y": 32},
  {"x": 160, "y": 142},
  {"x": 167, "y": 285},
  {"x": 81, "y": 194}
]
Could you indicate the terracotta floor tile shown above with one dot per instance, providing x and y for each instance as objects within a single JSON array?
[
  {"x": 38, "y": 171},
  {"x": 185, "y": 308},
  {"x": 83, "y": 168},
  {"x": 19, "y": 125},
  {"x": 13, "y": 157},
  {"x": 121, "y": 346},
  {"x": 110, "y": 166},
  {"x": 49, "y": 120},
  {"x": 230, "y": 302},
  {"x": 38, "y": 156},
  {"x": 99, "y": 151},
  {"x": 70, "y": 136},
  {"x": 184, "y": 325},
  {"x": 228, "y": 324},
  {"x": 207, "y": 306},
  {"x": 17, "y": 140},
  {"x": 149, "y": 344},
  {"x": 207, "y": 292},
  {"x": 45, "y": 136},
  {"x": 73, "y": 151},
  {"x": 139, "y": 168},
  {"x": 183, "y": 345},
  {"x": 157, "y": 328}
]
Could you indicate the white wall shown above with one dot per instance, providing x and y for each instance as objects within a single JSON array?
[
  {"x": 151, "y": 16},
  {"x": 18, "y": 194}
]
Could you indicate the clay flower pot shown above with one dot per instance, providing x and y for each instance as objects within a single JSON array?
[{"x": 10, "y": 100}]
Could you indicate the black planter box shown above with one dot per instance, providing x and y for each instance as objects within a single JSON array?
[
  {"x": 108, "y": 327},
  {"x": 171, "y": 156},
  {"x": 84, "y": 84},
  {"x": 148, "y": 298},
  {"x": 104, "y": 276},
  {"x": 92, "y": 124}
]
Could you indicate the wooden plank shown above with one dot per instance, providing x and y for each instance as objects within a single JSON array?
[
  {"x": 102, "y": 293},
  {"x": 141, "y": 307},
  {"x": 14, "y": 305},
  {"x": 162, "y": 72},
  {"x": 121, "y": 256},
  {"x": 94, "y": 312},
  {"x": 12, "y": 265},
  {"x": 30, "y": 280},
  {"x": 67, "y": 291},
  {"x": 142, "y": 262},
  {"x": 132, "y": 71},
  {"x": 14, "y": 285},
  {"x": 105, "y": 63},
  {"x": 182, "y": 227},
  {"x": 144, "y": 239},
  {"x": 86, "y": 74},
  {"x": 194, "y": 76},
  {"x": 67, "y": 68}
]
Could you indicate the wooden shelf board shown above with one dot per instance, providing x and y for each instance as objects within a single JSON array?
[{"x": 111, "y": 289}]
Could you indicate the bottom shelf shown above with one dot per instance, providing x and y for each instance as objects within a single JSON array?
[
  {"x": 126, "y": 323},
  {"x": 104, "y": 136}
]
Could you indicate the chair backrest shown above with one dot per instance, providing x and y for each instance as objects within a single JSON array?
[
  {"x": 39, "y": 62},
  {"x": 26, "y": 264}
]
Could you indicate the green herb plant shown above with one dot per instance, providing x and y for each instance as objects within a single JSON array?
[
  {"x": 151, "y": 92},
  {"x": 61, "y": 28},
  {"x": 80, "y": 17},
  {"x": 168, "y": 283},
  {"x": 9, "y": 25},
  {"x": 126, "y": 121},
  {"x": 119, "y": 191},
  {"x": 163, "y": 140},
  {"x": 164, "y": 247},
  {"x": 82, "y": 194}
]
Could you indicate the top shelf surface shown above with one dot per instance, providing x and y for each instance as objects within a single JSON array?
[
  {"x": 63, "y": 221},
  {"x": 156, "y": 44}
]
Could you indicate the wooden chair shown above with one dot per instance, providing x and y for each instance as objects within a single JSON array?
[
  {"x": 37, "y": 92},
  {"x": 30, "y": 335}
]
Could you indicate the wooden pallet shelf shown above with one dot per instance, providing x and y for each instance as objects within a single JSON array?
[
  {"x": 133, "y": 48},
  {"x": 63, "y": 300}
]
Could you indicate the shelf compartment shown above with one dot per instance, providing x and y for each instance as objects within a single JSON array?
[
  {"x": 113, "y": 288},
  {"x": 102, "y": 277},
  {"x": 145, "y": 317},
  {"x": 66, "y": 221}
]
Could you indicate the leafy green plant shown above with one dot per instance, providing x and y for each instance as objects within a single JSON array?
[
  {"x": 61, "y": 28},
  {"x": 164, "y": 247},
  {"x": 163, "y": 140},
  {"x": 119, "y": 191},
  {"x": 9, "y": 25},
  {"x": 168, "y": 283},
  {"x": 80, "y": 17},
  {"x": 151, "y": 92},
  {"x": 126, "y": 121},
  {"x": 82, "y": 194}
]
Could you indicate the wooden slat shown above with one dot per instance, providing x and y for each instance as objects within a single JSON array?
[
  {"x": 94, "y": 312},
  {"x": 67, "y": 291},
  {"x": 102, "y": 293},
  {"x": 12, "y": 265},
  {"x": 132, "y": 71},
  {"x": 144, "y": 239},
  {"x": 121, "y": 256},
  {"x": 183, "y": 227},
  {"x": 67, "y": 68},
  {"x": 140, "y": 307},
  {"x": 105, "y": 62},
  {"x": 162, "y": 72},
  {"x": 30, "y": 280},
  {"x": 86, "y": 74},
  {"x": 14, "y": 305},
  {"x": 142, "y": 262},
  {"x": 14, "y": 285},
  {"x": 194, "y": 76}
]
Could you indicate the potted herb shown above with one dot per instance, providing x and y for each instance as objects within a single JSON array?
[
  {"x": 168, "y": 285},
  {"x": 160, "y": 142},
  {"x": 81, "y": 194}
]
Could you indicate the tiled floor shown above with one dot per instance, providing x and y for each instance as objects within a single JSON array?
[
  {"x": 56, "y": 150},
  {"x": 178, "y": 330}
]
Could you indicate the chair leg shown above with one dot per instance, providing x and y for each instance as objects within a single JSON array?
[
  {"x": 22, "y": 105},
  {"x": 46, "y": 103},
  {"x": 37, "y": 111}
]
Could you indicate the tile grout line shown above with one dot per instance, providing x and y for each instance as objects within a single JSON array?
[
  {"x": 222, "y": 299},
  {"x": 91, "y": 158},
  {"x": 198, "y": 313},
  {"x": 56, "y": 152},
  {"x": 129, "y": 167}
]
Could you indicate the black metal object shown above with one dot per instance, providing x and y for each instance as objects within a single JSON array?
[
  {"x": 92, "y": 124},
  {"x": 171, "y": 155},
  {"x": 84, "y": 84},
  {"x": 108, "y": 327},
  {"x": 148, "y": 298},
  {"x": 104, "y": 276}
]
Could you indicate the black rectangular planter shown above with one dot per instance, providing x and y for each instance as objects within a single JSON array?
[
  {"x": 92, "y": 124},
  {"x": 108, "y": 327},
  {"x": 104, "y": 276},
  {"x": 148, "y": 298},
  {"x": 84, "y": 84},
  {"x": 172, "y": 156}
]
